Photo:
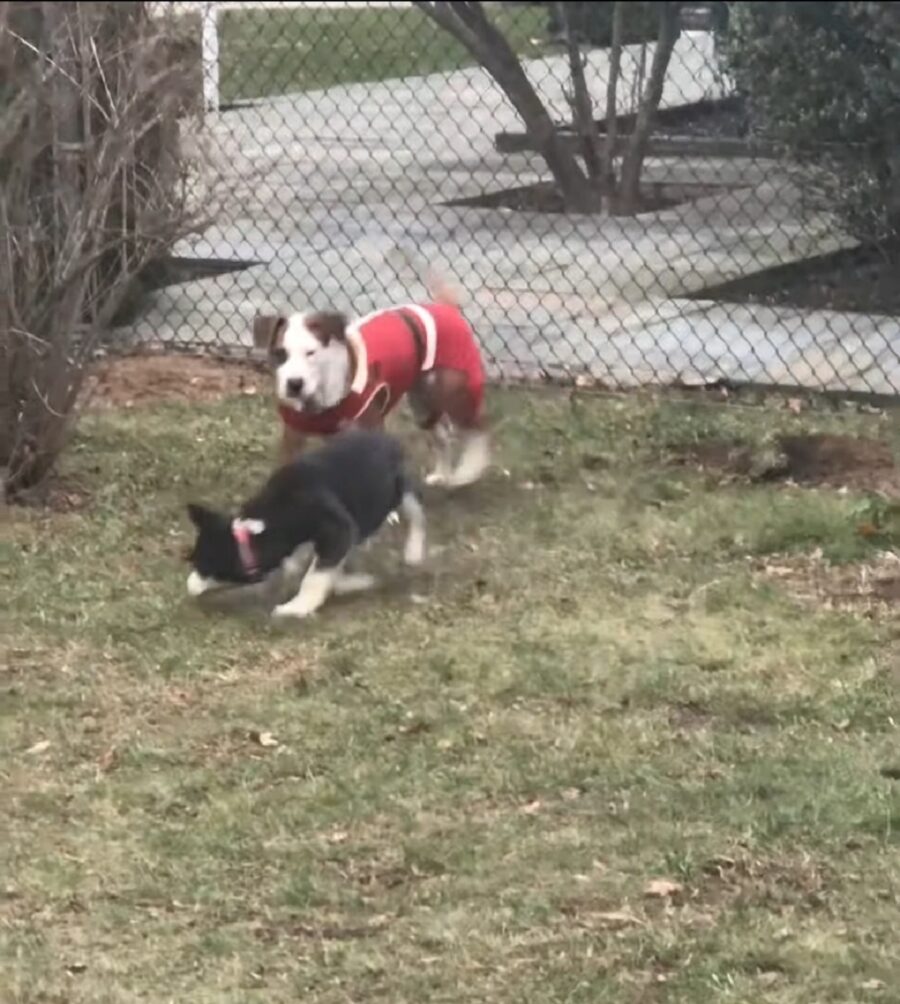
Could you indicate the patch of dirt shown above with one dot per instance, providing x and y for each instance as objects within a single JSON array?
[
  {"x": 826, "y": 458},
  {"x": 778, "y": 884},
  {"x": 871, "y": 588},
  {"x": 860, "y": 279},
  {"x": 57, "y": 494},
  {"x": 837, "y": 462},
  {"x": 819, "y": 459},
  {"x": 724, "y": 455},
  {"x": 149, "y": 379}
]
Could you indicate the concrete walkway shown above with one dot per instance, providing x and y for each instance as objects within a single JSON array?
[{"x": 341, "y": 193}]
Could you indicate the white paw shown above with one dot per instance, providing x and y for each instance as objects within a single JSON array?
[
  {"x": 393, "y": 518},
  {"x": 462, "y": 479},
  {"x": 292, "y": 609},
  {"x": 414, "y": 553},
  {"x": 436, "y": 478}
]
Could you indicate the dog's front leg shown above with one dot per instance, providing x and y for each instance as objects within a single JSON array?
[
  {"x": 316, "y": 587},
  {"x": 291, "y": 446},
  {"x": 334, "y": 536},
  {"x": 474, "y": 458},
  {"x": 414, "y": 549},
  {"x": 443, "y": 438}
]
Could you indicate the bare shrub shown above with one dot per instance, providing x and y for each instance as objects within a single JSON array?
[{"x": 92, "y": 188}]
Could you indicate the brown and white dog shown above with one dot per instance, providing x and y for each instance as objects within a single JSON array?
[{"x": 331, "y": 373}]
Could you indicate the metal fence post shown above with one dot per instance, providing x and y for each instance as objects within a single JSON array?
[{"x": 209, "y": 48}]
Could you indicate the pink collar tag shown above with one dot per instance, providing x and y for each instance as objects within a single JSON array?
[{"x": 242, "y": 537}]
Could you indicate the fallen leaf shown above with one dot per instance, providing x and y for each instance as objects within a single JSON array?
[
  {"x": 39, "y": 747},
  {"x": 264, "y": 739},
  {"x": 663, "y": 888},
  {"x": 532, "y": 807},
  {"x": 108, "y": 760},
  {"x": 872, "y": 985},
  {"x": 76, "y": 967},
  {"x": 794, "y": 405},
  {"x": 338, "y": 837}
]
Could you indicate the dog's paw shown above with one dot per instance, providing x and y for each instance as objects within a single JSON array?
[
  {"x": 436, "y": 478},
  {"x": 393, "y": 518},
  {"x": 292, "y": 609},
  {"x": 461, "y": 479},
  {"x": 414, "y": 553}
]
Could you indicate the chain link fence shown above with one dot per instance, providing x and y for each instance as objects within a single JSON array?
[{"x": 348, "y": 147}]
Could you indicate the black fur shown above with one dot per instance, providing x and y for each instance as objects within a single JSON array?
[{"x": 335, "y": 497}]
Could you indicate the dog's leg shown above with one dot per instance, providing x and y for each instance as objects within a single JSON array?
[
  {"x": 414, "y": 548},
  {"x": 353, "y": 582},
  {"x": 442, "y": 435},
  {"x": 316, "y": 587},
  {"x": 294, "y": 563},
  {"x": 291, "y": 446},
  {"x": 424, "y": 400},
  {"x": 474, "y": 458}
]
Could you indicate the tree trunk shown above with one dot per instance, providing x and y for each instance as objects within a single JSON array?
[
  {"x": 612, "y": 102},
  {"x": 468, "y": 23},
  {"x": 580, "y": 100},
  {"x": 633, "y": 159},
  {"x": 574, "y": 184},
  {"x": 64, "y": 23}
]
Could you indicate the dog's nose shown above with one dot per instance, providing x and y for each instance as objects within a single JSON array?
[{"x": 294, "y": 387}]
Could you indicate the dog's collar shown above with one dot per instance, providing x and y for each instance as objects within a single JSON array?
[{"x": 243, "y": 539}]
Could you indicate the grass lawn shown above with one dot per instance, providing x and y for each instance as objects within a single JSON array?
[
  {"x": 590, "y": 754},
  {"x": 270, "y": 51}
]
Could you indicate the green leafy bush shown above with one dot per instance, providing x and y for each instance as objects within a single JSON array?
[{"x": 823, "y": 80}]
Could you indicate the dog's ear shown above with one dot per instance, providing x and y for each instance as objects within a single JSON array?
[
  {"x": 203, "y": 518},
  {"x": 268, "y": 330},
  {"x": 327, "y": 326}
]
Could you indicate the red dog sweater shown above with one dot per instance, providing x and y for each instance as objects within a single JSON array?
[{"x": 392, "y": 348}]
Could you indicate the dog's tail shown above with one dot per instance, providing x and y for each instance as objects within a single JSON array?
[
  {"x": 437, "y": 286},
  {"x": 441, "y": 290}
]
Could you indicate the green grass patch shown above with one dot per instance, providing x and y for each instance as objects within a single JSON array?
[
  {"x": 268, "y": 52},
  {"x": 480, "y": 767}
]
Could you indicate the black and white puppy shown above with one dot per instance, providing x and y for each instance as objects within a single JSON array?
[{"x": 335, "y": 498}]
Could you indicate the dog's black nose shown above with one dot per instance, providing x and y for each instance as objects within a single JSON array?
[{"x": 294, "y": 387}]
